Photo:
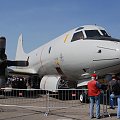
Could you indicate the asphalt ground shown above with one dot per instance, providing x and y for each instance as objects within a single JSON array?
[{"x": 75, "y": 111}]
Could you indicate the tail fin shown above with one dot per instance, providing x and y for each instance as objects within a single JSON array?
[{"x": 20, "y": 54}]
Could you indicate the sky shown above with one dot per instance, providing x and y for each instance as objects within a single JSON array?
[{"x": 43, "y": 20}]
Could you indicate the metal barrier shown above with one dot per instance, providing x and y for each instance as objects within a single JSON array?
[
  {"x": 105, "y": 104},
  {"x": 42, "y": 99},
  {"x": 47, "y": 101}
]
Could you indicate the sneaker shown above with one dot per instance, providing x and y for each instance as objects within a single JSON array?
[{"x": 98, "y": 117}]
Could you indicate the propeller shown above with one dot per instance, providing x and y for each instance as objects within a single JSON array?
[{"x": 4, "y": 63}]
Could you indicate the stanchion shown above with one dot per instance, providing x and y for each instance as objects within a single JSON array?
[
  {"x": 47, "y": 104},
  {"x": 105, "y": 111}
]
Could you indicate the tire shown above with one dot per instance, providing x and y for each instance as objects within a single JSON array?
[{"x": 83, "y": 98}]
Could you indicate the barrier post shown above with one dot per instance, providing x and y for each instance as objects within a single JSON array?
[
  {"x": 105, "y": 111},
  {"x": 47, "y": 104}
]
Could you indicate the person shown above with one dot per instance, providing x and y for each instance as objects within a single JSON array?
[
  {"x": 112, "y": 95},
  {"x": 94, "y": 95},
  {"x": 112, "y": 102},
  {"x": 118, "y": 102},
  {"x": 115, "y": 88}
]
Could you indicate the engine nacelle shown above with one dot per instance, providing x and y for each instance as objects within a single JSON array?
[{"x": 50, "y": 83}]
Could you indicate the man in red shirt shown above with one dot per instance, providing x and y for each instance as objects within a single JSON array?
[{"x": 94, "y": 95}]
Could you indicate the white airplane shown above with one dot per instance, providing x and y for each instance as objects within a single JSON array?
[{"x": 75, "y": 54}]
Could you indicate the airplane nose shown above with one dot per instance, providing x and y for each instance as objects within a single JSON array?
[
  {"x": 107, "y": 58},
  {"x": 118, "y": 46},
  {"x": 117, "y": 51},
  {"x": 116, "y": 55},
  {"x": 109, "y": 53}
]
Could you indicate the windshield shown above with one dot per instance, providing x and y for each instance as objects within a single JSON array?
[
  {"x": 77, "y": 36},
  {"x": 104, "y": 33},
  {"x": 95, "y": 35},
  {"x": 92, "y": 33}
]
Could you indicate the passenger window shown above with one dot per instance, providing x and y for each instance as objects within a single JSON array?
[{"x": 77, "y": 36}]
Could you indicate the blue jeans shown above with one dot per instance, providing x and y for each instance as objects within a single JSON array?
[
  {"x": 118, "y": 110},
  {"x": 112, "y": 96},
  {"x": 95, "y": 99}
]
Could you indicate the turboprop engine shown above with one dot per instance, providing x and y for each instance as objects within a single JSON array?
[{"x": 4, "y": 63}]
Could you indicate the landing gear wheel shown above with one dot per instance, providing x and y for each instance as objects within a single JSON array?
[
  {"x": 81, "y": 98},
  {"x": 84, "y": 98}
]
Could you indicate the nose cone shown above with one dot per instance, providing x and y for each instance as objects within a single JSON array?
[
  {"x": 108, "y": 59},
  {"x": 117, "y": 49},
  {"x": 115, "y": 60},
  {"x": 111, "y": 50}
]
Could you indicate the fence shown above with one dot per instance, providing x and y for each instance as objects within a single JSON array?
[{"x": 47, "y": 101}]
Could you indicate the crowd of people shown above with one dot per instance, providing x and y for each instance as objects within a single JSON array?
[
  {"x": 16, "y": 82},
  {"x": 94, "y": 92},
  {"x": 23, "y": 82}
]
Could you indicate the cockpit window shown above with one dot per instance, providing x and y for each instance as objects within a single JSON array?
[
  {"x": 92, "y": 33},
  {"x": 104, "y": 33},
  {"x": 77, "y": 36},
  {"x": 95, "y": 35}
]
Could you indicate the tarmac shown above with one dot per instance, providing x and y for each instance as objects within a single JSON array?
[
  {"x": 76, "y": 112},
  {"x": 46, "y": 107}
]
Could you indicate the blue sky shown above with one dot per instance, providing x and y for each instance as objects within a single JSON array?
[{"x": 42, "y": 20}]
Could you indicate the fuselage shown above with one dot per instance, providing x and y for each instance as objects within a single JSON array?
[{"x": 82, "y": 50}]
